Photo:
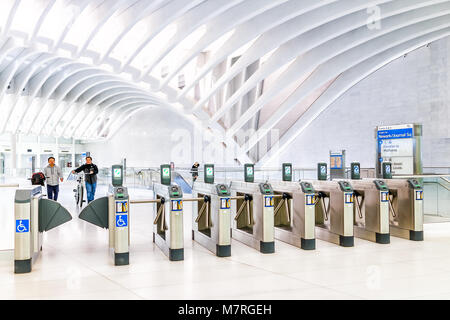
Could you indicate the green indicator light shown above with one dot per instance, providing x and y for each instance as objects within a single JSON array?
[{"x": 175, "y": 193}]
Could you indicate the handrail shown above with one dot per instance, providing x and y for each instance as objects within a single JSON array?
[
  {"x": 443, "y": 185},
  {"x": 421, "y": 176},
  {"x": 9, "y": 185}
]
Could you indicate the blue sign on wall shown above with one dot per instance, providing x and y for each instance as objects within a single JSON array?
[
  {"x": 23, "y": 226},
  {"x": 404, "y": 133},
  {"x": 121, "y": 220}
]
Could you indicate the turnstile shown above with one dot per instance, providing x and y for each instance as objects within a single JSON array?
[
  {"x": 168, "y": 228},
  {"x": 334, "y": 211},
  {"x": 253, "y": 215},
  {"x": 33, "y": 215},
  {"x": 112, "y": 212},
  {"x": 371, "y": 210},
  {"x": 406, "y": 207},
  {"x": 294, "y": 213},
  {"x": 211, "y": 217}
]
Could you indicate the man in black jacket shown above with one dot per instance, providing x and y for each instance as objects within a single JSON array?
[
  {"x": 194, "y": 171},
  {"x": 90, "y": 173}
]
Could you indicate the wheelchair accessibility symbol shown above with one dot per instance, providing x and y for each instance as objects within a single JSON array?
[
  {"x": 22, "y": 226},
  {"x": 121, "y": 221}
]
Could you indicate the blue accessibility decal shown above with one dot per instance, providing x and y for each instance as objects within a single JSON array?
[
  {"x": 23, "y": 226},
  {"x": 121, "y": 220}
]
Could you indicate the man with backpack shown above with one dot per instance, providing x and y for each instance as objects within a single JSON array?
[
  {"x": 90, "y": 173},
  {"x": 53, "y": 175}
]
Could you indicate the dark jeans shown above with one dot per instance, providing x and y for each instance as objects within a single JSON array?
[
  {"x": 90, "y": 191},
  {"x": 52, "y": 192}
]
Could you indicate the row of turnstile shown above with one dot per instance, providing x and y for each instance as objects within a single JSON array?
[{"x": 255, "y": 214}]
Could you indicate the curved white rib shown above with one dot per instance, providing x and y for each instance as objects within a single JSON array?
[
  {"x": 252, "y": 28},
  {"x": 298, "y": 46},
  {"x": 343, "y": 62},
  {"x": 76, "y": 72},
  {"x": 346, "y": 81},
  {"x": 189, "y": 22},
  {"x": 308, "y": 61},
  {"x": 220, "y": 26}
]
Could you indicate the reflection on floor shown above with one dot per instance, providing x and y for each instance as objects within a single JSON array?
[
  {"x": 435, "y": 219},
  {"x": 75, "y": 264}
]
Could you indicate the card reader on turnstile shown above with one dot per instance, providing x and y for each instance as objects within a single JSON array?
[
  {"x": 254, "y": 214},
  {"x": 294, "y": 214},
  {"x": 211, "y": 218},
  {"x": 334, "y": 212},
  {"x": 308, "y": 239},
  {"x": 371, "y": 209},
  {"x": 168, "y": 229},
  {"x": 406, "y": 207}
]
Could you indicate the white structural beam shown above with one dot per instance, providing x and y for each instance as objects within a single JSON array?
[
  {"x": 93, "y": 59},
  {"x": 188, "y": 23},
  {"x": 161, "y": 19},
  {"x": 251, "y": 29},
  {"x": 325, "y": 71},
  {"x": 218, "y": 27},
  {"x": 350, "y": 28},
  {"x": 311, "y": 58},
  {"x": 132, "y": 16},
  {"x": 346, "y": 81}
]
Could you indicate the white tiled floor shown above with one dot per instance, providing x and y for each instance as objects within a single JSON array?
[{"x": 75, "y": 264}]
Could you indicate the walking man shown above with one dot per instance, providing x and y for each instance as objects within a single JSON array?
[
  {"x": 53, "y": 175},
  {"x": 194, "y": 171},
  {"x": 90, "y": 176}
]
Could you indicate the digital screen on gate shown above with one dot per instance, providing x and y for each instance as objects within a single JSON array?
[
  {"x": 166, "y": 172},
  {"x": 117, "y": 173}
]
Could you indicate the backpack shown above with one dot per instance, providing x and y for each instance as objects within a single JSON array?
[{"x": 37, "y": 179}]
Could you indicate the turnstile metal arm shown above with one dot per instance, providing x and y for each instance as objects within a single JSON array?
[
  {"x": 284, "y": 201},
  {"x": 321, "y": 196},
  {"x": 9, "y": 185},
  {"x": 161, "y": 212},
  {"x": 146, "y": 201},
  {"x": 237, "y": 198},
  {"x": 206, "y": 200},
  {"x": 391, "y": 207},
  {"x": 359, "y": 204},
  {"x": 241, "y": 208},
  {"x": 195, "y": 199},
  {"x": 246, "y": 204}
]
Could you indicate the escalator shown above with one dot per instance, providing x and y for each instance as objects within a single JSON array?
[{"x": 183, "y": 181}]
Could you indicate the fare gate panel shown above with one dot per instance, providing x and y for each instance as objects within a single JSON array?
[
  {"x": 96, "y": 213},
  {"x": 253, "y": 214},
  {"x": 33, "y": 215}
]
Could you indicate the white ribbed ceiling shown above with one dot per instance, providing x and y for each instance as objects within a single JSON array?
[{"x": 239, "y": 68}]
